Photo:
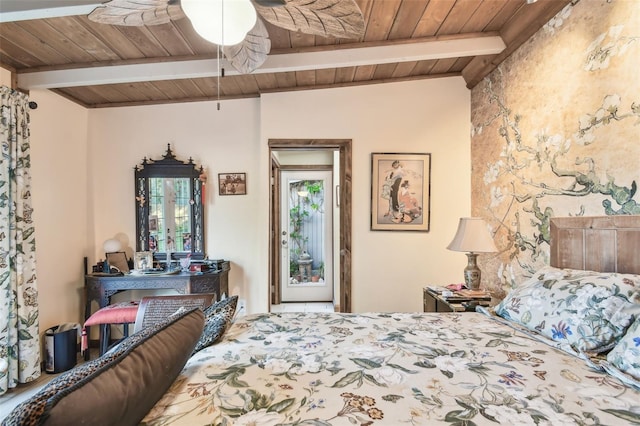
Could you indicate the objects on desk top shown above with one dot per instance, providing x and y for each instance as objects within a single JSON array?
[
  {"x": 446, "y": 289},
  {"x": 155, "y": 271},
  {"x": 458, "y": 292},
  {"x": 107, "y": 274},
  {"x": 206, "y": 265},
  {"x": 161, "y": 272},
  {"x": 195, "y": 267},
  {"x": 471, "y": 305},
  {"x": 456, "y": 287},
  {"x": 472, "y": 293}
]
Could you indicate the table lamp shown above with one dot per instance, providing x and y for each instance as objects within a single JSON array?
[
  {"x": 112, "y": 245},
  {"x": 473, "y": 237}
]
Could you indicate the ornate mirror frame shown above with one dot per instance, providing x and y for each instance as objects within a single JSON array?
[{"x": 170, "y": 167}]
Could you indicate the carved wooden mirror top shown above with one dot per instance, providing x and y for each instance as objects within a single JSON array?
[{"x": 169, "y": 209}]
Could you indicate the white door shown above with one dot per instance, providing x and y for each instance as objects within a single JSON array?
[{"x": 306, "y": 241}]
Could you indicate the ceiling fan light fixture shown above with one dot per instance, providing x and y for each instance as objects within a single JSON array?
[{"x": 223, "y": 22}]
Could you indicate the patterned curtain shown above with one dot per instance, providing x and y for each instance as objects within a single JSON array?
[{"x": 19, "y": 332}]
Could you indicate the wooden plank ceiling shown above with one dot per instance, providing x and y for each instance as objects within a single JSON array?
[{"x": 72, "y": 42}]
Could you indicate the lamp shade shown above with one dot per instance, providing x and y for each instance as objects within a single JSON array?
[
  {"x": 112, "y": 245},
  {"x": 223, "y": 22},
  {"x": 472, "y": 236}
]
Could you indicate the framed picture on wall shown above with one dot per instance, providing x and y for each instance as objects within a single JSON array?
[
  {"x": 400, "y": 191},
  {"x": 232, "y": 183}
]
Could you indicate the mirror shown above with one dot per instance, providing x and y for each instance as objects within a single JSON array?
[{"x": 169, "y": 209}]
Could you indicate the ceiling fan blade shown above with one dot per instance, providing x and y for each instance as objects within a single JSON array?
[
  {"x": 249, "y": 55},
  {"x": 137, "y": 12},
  {"x": 270, "y": 3},
  {"x": 328, "y": 18}
]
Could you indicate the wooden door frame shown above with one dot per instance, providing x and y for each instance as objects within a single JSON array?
[
  {"x": 343, "y": 146},
  {"x": 274, "y": 234}
]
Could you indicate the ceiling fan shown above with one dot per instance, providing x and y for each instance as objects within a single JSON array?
[{"x": 328, "y": 18}]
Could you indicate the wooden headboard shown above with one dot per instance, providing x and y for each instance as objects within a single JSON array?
[{"x": 596, "y": 243}]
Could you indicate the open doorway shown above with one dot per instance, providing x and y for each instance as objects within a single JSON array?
[{"x": 307, "y": 156}]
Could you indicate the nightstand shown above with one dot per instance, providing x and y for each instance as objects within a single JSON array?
[{"x": 460, "y": 301}]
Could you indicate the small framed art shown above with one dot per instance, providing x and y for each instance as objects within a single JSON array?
[
  {"x": 232, "y": 183},
  {"x": 153, "y": 223},
  {"x": 143, "y": 260},
  {"x": 400, "y": 191}
]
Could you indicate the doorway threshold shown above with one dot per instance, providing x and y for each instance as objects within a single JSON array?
[{"x": 303, "y": 307}]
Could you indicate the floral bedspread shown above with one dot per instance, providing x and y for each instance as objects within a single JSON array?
[{"x": 388, "y": 369}]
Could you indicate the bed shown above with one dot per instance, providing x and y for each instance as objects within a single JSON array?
[
  {"x": 391, "y": 369},
  {"x": 527, "y": 366},
  {"x": 411, "y": 368}
]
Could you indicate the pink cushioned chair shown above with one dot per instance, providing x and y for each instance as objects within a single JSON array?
[
  {"x": 123, "y": 313},
  {"x": 144, "y": 313}
]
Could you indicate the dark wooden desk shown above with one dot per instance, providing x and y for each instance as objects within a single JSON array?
[{"x": 100, "y": 288}]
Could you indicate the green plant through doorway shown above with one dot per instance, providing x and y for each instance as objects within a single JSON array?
[{"x": 307, "y": 197}]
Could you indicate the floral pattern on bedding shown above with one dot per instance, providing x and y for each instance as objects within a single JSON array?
[
  {"x": 626, "y": 355},
  {"x": 585, "y": 311},
  {"x": 388, "y": 369}
]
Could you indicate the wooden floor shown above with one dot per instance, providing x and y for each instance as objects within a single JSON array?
[
  {"x": 16, "y": 395},
  {"x": 25, "y": 391}
]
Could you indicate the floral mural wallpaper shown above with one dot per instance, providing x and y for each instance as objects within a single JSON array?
[{"x": 556, "y": 132}]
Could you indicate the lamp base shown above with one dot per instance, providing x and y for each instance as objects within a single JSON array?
[{"x": 472, "y": 272}]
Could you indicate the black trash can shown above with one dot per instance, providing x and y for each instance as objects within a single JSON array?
[{"x": 60, "y": 348}]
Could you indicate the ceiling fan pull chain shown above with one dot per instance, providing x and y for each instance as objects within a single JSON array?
[
  {"x": 222, "y": 37},
  {"x": 218, "y": 85}
]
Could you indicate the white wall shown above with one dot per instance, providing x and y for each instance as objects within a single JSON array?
[
  {"x": 432, "y": 116},
  {"x": 5, "y": 77},
  {"x": 221, "y": 141},
  {"x": 59, "y": 177},
  {"x": 83, "y": 183}
]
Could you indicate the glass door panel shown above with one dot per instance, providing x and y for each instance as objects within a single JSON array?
[{"x": 306, "y": 224}]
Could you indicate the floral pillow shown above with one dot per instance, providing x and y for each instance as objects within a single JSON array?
[
  {"x": 626, "y": 355},
  {"x": 587, "y": 310}
]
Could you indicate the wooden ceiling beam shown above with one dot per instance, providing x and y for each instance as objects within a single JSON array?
[
  {"x": 22, "y": 10},
  {"x": 290, "y": 62}
]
